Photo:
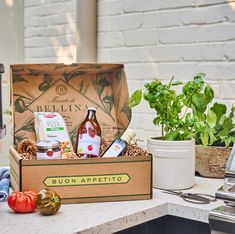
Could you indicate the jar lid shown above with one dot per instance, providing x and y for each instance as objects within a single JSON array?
[{"x": 45, "y": 144}]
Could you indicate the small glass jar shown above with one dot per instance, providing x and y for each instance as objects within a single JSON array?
[{"x": 48, "y": 149}]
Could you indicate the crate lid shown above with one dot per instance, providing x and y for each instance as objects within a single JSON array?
[{"x": 70, "y": 90}]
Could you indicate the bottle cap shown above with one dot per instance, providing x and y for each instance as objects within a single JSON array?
[
  {"x": 128, "y": 135},
  {"x": 91, "y": 108}
]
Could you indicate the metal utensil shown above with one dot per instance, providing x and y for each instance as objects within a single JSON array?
[{"x": 196, "y": 198}]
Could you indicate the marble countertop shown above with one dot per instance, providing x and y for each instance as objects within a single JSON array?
[{"x": 109, "y": 217}]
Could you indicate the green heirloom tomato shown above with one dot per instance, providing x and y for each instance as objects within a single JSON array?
[{"x": 48, "y": 202}]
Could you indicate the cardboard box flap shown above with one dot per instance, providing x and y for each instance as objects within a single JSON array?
[
  {"x": 74, "y": 69},
  {"x": 69, "y": 90}
]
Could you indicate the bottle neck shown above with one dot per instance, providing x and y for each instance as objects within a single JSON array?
[
  {"x": 126, "y": 139},
  {"x": 91, "y": 114},
  {"x": 128, "y": 135}
]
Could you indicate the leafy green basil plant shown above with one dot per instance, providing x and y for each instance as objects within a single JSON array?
[
  {"x": 186, "y": 115},
  {"x": 216, "y": 128},
  {"x": 176, "y": 113}
]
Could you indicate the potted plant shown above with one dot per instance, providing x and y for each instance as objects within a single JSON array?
[
  {"x": 215, "y": 134},
  {"x": 174, "y": 151}
]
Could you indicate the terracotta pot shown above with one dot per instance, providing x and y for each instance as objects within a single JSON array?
[{"x": 211, "y": 160}]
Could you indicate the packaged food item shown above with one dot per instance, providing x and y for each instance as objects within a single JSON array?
[
  {"x": 48, "y": 149},
  {"x": 50, "y": 126},
  {"x": 118, "y": 146},
  {"x": 67, "y": 151},
  {"x": 89, "y": 136}
]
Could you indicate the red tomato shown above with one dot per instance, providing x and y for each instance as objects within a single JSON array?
[{"x": 22, "y": 202}]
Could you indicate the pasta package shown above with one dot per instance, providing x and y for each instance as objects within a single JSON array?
[{"x": 50, "y": 126}]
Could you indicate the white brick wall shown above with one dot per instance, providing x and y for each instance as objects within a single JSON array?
[
  {"x": 153, "y": 38},
  {"x": 161, "y": 38},
  {"x": 50, "y": 31}
]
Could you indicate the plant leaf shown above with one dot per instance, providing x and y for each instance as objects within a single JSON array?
[
  {"x": 104, "y": 82},
  {"x": 157, "y": 120},
  {"x": 135, "y": 98},
  {"x": 18, "y": 79},
  {"x": 199, "y": 77},
  {"x": 81, "y": 87},
  {"x": 33, "y": 72},
  {"x": 188, "y": 117},
  {"x": 219, "y": 110},
  {"x": 212, "y": 136},
  {"x": 172, "y": 136},
  {"x": 28, "y": 125},
  {"x": 119, "y": 75},
  {"x": 108, "y": 100},
  {"x": 204, "y": 138},
  {"x": 127, "y": 111},
  {"x": 174, "y": 83},
  {"x": 231, "y": 115},
  {"x": 18, "y": 138},
  {"x": 222, "y": 119},
  {"x": 198, "y": 102},
  {"x": 209, "y": 94},
  {"x": 71, "y": 75},
  {"x": 211, "y": 118},
  {"x": 227, "y": 127},
  {"x": 188, "y": 135},
  {"x": 228, "y": 140}
]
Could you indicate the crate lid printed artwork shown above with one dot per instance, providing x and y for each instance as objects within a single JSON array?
[{"x": 70, "y": 90}]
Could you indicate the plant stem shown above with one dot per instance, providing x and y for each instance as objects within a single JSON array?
[
  {"x": 169, "y": 85},
  {"x": 162, "y": 131},
  {"x": 184, "y": 113},
  {"x": 188, "y": 106}
]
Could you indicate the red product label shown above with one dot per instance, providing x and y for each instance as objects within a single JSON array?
[
  {"x": 50, "y": 153},
  {"x": 89, "y": 144}
]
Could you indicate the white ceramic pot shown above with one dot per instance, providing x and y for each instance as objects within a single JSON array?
[{"x": 173, "y": 163}]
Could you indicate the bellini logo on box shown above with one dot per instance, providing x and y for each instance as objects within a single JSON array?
[
  {"x": 58, "y": 181},
  {"x": 58, "y": 108},
  {"x": 56, "y": 99}
]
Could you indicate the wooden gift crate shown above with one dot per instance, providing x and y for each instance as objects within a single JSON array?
[
  {"x": 69, "y": 90},
  {"x": 85, "y": 180}
]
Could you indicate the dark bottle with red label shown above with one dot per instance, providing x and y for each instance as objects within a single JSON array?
[{"x": 89, "y": 136}]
